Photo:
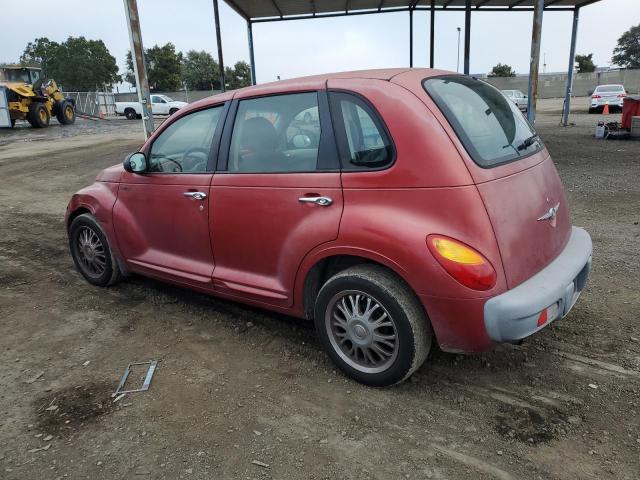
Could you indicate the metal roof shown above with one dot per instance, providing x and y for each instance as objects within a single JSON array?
[{"x": 274, "y": 10}]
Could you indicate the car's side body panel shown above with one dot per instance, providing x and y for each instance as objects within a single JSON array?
[
  {"x": 261, "y": 231},
  {"x": 159, "y": 228}
]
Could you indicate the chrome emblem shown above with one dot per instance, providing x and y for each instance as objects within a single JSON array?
[{"x": 551, "y": 215}]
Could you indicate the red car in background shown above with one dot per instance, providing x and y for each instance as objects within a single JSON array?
[{"x": 394, "y": 207}]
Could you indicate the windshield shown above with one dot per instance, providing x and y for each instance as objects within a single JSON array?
[
  {"x": 491, "y": 127},
  {"x": 166, "y": 99}
]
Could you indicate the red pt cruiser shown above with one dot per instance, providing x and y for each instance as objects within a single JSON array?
[{"x": 392, "y": 207}]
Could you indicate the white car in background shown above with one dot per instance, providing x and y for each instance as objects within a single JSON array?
[
  {"x": 612, "y": 94},
  {"x": 517, "y": 97},
  {"x": 160, "y": 105}
]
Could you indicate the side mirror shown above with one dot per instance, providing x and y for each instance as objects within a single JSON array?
[
  {"x": 135, "y": 163},
  {"x": 301, "y": 140}
]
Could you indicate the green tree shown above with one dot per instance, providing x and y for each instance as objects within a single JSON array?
[
  {"x": 163, "y": 68},
  {"x": 627, "y": 53},
  {"x": 200, "y": 71},
  {"x": 40, "y": 53},
  {"x": 239, "y": 76},
  {"x": 76, "y": 64},
  {"x": 585, "y": 63},
  {"x": 501, "y": 70}
]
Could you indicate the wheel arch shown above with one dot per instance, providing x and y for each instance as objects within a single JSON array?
[{"x": 322, "y": 267}]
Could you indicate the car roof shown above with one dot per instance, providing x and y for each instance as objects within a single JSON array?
[
  {"x": 611, "y": 85},
  {"x": 315, "y": 82}
]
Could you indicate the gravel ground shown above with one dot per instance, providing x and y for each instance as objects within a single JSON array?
[{"x": 243, "y": 393}]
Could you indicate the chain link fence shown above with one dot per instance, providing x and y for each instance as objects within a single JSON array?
[{"x": 94, "y": 104}]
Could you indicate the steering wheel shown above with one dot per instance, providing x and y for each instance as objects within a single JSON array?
[
  {"x": 195, "y": 164},
  {"x": 176, "y": 169}
]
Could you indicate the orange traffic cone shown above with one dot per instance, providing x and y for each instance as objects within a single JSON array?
[{"x": 605, "y": 110}]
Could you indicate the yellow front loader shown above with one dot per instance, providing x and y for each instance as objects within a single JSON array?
[{"x": 32, "y": 98}]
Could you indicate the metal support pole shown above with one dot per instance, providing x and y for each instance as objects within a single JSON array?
[
  {"x": 411, "y": 38},
  {"x": 572, "y": 55},
  {"x": 216, "y": 17},
  {"x": 536, "y": 32},
  {"x": 467, "y": 35},
  {"x": 251, "y": 57},
  {"x": 139, "y": 68},
  {"x": 432, "y": 35}
]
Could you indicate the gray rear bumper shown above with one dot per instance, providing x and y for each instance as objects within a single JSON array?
[{"x": 514, "y": 314}]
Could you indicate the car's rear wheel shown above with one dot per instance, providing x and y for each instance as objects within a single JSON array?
[
  {"x": 91, "y": 252},
  {"x": 130, "y": 113},
  {"x": 172, "y": 111},
  {"x": 372, "y": 325}
]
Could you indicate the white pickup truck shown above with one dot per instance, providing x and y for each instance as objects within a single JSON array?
[{"x": 160, "y": 105}]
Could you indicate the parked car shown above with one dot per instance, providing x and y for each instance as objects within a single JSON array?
[
  {"x": 160, "y": 105},
  {"x": 613, "y": 95},
  {"x": 517, "y": 97},
  {"x": 428, "y": 210}
]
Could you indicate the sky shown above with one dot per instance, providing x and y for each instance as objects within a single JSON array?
[{"x": 306, "y": 47}]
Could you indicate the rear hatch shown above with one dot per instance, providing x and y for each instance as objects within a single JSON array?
[{"x": 514, "y": 174}]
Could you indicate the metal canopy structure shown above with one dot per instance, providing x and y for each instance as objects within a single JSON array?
[{"x": 261, "y": 11}]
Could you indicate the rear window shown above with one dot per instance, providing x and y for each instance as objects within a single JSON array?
[
  {"x": 609, "y": 88},
  {"x": 491, "y": 128}
]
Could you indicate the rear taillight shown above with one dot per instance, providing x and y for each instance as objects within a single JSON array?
[
  {"x": 465, "y": 264},
  {"x": 622, "y": 95},
  {"x": 596, "y": 96}
]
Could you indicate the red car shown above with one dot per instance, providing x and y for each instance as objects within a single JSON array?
[{"x": 393, "y": 207}]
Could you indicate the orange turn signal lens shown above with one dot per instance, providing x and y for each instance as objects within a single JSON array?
[{"x": 465, "y": 264}]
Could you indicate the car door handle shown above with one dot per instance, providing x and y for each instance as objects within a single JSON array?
[
  {"x": 196, "y": 195},
  {"x": 322, "y": 201}
]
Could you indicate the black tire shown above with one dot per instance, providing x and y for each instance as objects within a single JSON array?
[
  {"x": 130, "y": 113},
  {"x": 110, "y": 274},
  {"x": 65, "y": 112},
  {"x": 592, "y": 110},
  {"x": 411, "y": 327},
  {"x": 172, "y": 111},
  {"x": 38, "y": 115}
]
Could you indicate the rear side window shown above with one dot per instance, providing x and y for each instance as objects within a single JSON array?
[
  {"x": 362, "y": 138},
  {"x": 491, "y": 128}
]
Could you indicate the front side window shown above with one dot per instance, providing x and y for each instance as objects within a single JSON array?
[
  {"x": 185, "y": 145},
  {"x": 157, "y": 99},
  {"x": 362, "y": 139},
  {"x": 279, "y": 133},
  {"x": 491, "y": 128}
]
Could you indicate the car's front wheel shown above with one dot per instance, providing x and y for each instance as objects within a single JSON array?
[
  {"x": 372, "y": 325},
  {"x": 91, "y": 251}
]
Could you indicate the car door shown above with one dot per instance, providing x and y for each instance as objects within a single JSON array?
[
  {"x": 161, "y": 216},
  {"x": 276, "y": 194},
  {"x": 158, "y": 105}
]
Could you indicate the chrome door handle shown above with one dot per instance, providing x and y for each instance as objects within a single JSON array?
[
  {"x": 322, "y": 201},
  {"x": 196, "y": 195}
]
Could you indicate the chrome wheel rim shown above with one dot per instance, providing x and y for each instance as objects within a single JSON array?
[
  {"x": 361, "y": 331},
  {"x": 91, "y": 252}
]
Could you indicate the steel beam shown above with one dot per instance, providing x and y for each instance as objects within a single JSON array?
[
  {"x": 139, "y": 67},
  {"x": 566, "y": 109},
  {"x": 411, "y": 38},
  {"x": 252, "y": 59},
  {"x": 467, "y": 36},
  {"x": 216, "y": 17},
  {"x": 534, "y": 63},
  {"x": 432, "y": 33}
]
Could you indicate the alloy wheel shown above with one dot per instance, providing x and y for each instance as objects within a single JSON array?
[
  {"x": 91, "y": 252},
  {"x": 361, "y": 331}
]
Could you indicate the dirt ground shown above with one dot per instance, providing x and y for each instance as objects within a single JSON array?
[{"x": 240, "y": 393}]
